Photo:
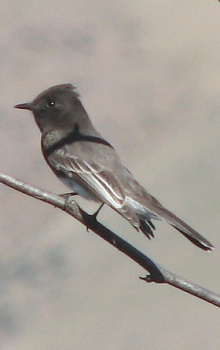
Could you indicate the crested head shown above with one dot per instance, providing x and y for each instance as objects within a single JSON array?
[
  {"x": 58, "y": 107},
  {"x": 57, "y": 90}
]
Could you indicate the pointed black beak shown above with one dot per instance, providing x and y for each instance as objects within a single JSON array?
[{"x": 29, "y": 106}]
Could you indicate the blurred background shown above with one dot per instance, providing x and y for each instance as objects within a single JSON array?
[{"x": 149, "y": 76}]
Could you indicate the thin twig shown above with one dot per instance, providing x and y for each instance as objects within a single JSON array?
[{"x": 157, "y": 273}]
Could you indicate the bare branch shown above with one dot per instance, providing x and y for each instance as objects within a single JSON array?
[{"x": 157, "y": 273}]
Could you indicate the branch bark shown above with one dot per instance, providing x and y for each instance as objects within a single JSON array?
[{"x": 156, "y": 274}]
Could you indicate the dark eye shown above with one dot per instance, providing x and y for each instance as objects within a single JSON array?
[{"x": 51, "y": 104}]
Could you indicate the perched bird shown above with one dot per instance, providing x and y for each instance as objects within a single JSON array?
[{"x": 90, "y": 166}]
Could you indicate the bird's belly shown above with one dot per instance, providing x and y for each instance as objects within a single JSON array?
[{"x": 81, "y": 191}]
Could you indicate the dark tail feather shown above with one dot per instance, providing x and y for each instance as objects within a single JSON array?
[
  {"x": 146, "y": 227},
  {"x": 186, "y": 230},
  {"x": 198, "y": 240},
  {"x": 193, "y": 236}
]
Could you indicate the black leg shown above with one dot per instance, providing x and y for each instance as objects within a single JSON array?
[
  {"x": 67, "y": 195},
  {"x": 94, "y": 216},
  {"x": 97, "y": 211}
]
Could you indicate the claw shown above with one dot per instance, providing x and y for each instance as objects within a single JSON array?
[{"x": 67, "y": 195}]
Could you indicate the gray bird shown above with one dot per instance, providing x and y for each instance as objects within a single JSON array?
[{"x": 90, "y": 166}]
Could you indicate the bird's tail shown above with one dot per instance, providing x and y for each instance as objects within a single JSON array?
[{"x": 196, "y": 238}]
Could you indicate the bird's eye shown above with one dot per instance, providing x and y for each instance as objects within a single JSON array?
[{"x": 51, "y": 103}]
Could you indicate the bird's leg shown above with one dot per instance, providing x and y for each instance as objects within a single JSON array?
[
  {"x": 67, "y": 195},
  {"x": 97, "y": 211},
  {"x": 94, "y": 216}
]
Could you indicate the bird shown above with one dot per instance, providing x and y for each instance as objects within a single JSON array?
[{"x": 89, "y": 165}]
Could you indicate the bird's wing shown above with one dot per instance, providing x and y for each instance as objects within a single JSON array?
[
  {"x": 105, "y": 176},
  {"x": 97, "y": 177}
]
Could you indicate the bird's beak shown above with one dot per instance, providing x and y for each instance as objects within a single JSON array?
[{"x": 29, "y": 106}]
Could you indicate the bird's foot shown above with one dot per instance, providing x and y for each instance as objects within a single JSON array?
[
  {"x": 67, "y": 195},
  {"x": 97, "y": 211},
  {"x": 94, "y": 216}
]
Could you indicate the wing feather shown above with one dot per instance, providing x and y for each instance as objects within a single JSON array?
[{"x": 90, "y": 175}]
